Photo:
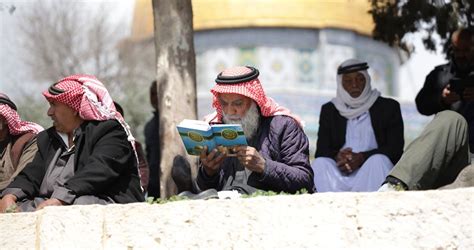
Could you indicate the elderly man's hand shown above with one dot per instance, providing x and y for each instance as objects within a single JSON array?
[
  {"x": 342, "y": 156},
  {"x": 6, "y": 202},
  {"x": 212, "y": 161},
  {"x": 356, "y": 161},
  {"x": 348, "y": 161},
  {"x": 50, "y": 202},
  {"x": 250, "y": 158}
]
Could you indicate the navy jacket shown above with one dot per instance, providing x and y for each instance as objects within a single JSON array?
[
  {"x": 284, "y": 145},
  {"x": 387, "y": 123}
]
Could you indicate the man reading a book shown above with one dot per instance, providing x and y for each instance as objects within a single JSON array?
[{"x": 276, "y": 157}]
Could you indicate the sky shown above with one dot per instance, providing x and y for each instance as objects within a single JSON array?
[
  {"x": 412, "y": 72},
  {"x": 10, "y": 63}
]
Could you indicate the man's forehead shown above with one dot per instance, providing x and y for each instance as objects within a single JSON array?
[
  {"x": 59, "y": 104},
  {"x": 352, "y": 74},
  {"x": 232, "y": 97}
]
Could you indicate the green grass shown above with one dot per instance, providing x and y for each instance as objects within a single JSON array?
[
  {"x": 12, "y": 209},
  {"x": 271, "y": 193},
  {"x": 152, "y": 200}
]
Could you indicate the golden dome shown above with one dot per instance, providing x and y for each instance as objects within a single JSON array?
[{"x": 221, "y": 14}]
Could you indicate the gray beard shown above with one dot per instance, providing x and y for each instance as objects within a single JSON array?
[{"x": 249, "y": 122}]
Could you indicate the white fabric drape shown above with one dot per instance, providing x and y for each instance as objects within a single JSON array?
[{"x": 348, "y": 106}]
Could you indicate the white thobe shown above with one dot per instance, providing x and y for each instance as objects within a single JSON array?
[{"x": 360, "y": 137}]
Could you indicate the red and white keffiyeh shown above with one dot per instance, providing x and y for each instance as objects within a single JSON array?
[
  {"x": 252, "y": 89},
  {"x": 15, "y": 125},
  {"x": 88, "y": 96}
]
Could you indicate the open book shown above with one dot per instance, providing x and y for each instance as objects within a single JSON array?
[{"x": 198, "y": 134}]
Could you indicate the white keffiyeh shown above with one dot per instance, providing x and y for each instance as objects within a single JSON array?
[{"x": 348, "y": 106}]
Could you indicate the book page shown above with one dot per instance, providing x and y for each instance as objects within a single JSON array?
[
  {"x": 195, "y": 124},
  {"x": 196, "y": 135},
  {"x": 229, "y": 135}
]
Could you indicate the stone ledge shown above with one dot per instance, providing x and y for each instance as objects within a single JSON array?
[{"x": 426, "y": 219}]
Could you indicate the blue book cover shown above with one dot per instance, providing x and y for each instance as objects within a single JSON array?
[{"x": 198, "y": 134}]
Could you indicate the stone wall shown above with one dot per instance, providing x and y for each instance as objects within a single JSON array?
[{"x": 430, "y": 219}]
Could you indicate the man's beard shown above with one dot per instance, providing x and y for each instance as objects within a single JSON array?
[{"x": 249, "y": 122}]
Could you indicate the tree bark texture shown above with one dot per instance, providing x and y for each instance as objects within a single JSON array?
[{"x": 176, "y": 79}]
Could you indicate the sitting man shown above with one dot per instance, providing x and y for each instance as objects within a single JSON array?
[
  {"x": 276, "y": 158},
  {"x": 438, "y": 93},
  {"x": 17, "y": 141},
  {"x": 87, "y": 157},
  {"x": 360, "y": 134},
  {"x": 435, "y": 158}
]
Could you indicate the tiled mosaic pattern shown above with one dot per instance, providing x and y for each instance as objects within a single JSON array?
[{"x": 303, "y": 79}]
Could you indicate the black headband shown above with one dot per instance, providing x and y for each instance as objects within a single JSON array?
[
  {"x": 352, "y": 68},
  {"x": 55, "y": 91},
  {"x": 6, "y": 101},
  {"x": 238, "y": 79}
]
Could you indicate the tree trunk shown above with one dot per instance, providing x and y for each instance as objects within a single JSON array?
[{"x": 176, "y": 79}]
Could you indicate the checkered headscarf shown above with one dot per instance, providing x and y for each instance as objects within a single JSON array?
[
  {"x": 15, "y": 125},
  {"x": 89, "y": 97},
  {"x": 250, "y": 88}
]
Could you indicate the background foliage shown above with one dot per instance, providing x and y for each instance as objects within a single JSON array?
[
  {"x": 60, "y": 38},
  {"x": 395, "y": 18}
]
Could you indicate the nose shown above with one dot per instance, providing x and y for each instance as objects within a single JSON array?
[
  {"x": 229, "y": 110},
  {"x": 50, "y": 111},
  {"x": 354, "y": 84}
]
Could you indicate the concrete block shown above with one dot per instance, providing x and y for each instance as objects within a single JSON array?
[
  {"x": 71, "y": 227},
  {"x": 18, "y": 230},
  {"x": 430, "y": 219},
  {"x": 437, "y": 219}
]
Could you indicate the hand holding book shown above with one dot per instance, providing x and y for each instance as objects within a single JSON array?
[
  {"x": 212, "y": 162},
  {"x": 248, "y": 156}
]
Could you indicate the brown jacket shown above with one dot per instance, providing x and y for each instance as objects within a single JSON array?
[{"x": 14, "y": 157}]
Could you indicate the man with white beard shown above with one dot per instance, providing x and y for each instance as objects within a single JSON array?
[{"x": 276, "y": 157}]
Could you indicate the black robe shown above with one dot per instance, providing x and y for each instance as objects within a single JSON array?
[{"x": 104, "y": 163}]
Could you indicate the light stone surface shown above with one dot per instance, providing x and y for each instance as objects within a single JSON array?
[
  {"x": 18, "y": 231},
  {"x": 426, "y": 219},
  {"x": 72, "y": 227}
]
